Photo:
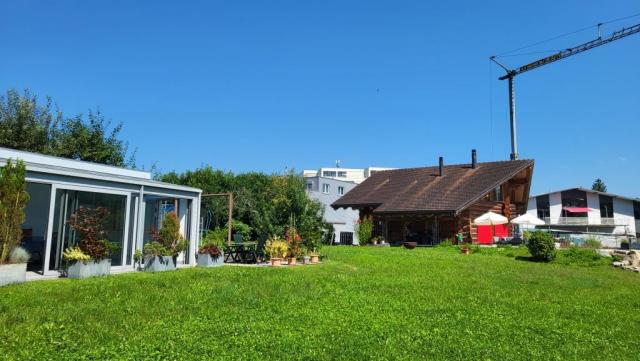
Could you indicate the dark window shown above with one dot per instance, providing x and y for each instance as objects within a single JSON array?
[
  {"x": 495, "y": 195},
  {"x": 309, "y": 186},
  {"x": 573, "y": 199},
  {"x": 342, "y": 174},
  {"x": 606, "y": 207},
  {"x": 542, "y": 205},
  {"x": 346, "y": 238},
  {"x": 636, "y": 210},
  {"x": 329, "y": 173}
]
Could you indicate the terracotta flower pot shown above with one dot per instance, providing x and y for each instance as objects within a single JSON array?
[
  {"x": 315, "y": 259},
  {"x": 291, "y": 261},
  {"x": 276, "y": 262}
]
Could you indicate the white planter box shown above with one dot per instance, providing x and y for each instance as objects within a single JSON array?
[
  {"x": 13, "y": 273},
  {"x": 159, "y": 264},
  {"x": 79, "y": 270},
  {"x": 206, "y": 260}
]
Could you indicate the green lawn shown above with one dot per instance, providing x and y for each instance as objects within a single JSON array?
[{"x": 362, "y": 303}]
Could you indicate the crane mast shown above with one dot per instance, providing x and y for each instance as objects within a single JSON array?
[{"x": 512, "y": 73}]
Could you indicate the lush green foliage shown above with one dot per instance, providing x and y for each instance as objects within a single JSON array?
[
  {"x": 155, "y": 249},
  {"x": 581, "y": 257},
  {"x": 364, "y": 229},
  {"x": 362, "y": 304},
  {"x": 169, "y": 235},
  {"x": 215, "y": 237},
  {"x": 13, "y": 200},
  {"x": 263, "y": 202},
  {"x": 598, "y": 185},
  {"x": 27, "y": 125},
  {"x": 541, "y": 246},
  {"x": 592, "y": 243}
]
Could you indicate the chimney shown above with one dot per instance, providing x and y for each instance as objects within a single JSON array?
[
  {"x": 474, "y": 159},
  {"x": 440, "y": 166}
]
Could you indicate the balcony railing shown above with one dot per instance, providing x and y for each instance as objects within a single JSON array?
[{"x": 580, "y": 221}]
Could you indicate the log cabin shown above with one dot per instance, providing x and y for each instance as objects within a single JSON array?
[{"x": 430, "y": 204}]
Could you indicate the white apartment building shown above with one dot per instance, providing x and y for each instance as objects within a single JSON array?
[
  {"x": 356, "y": 175},
  {"x": 578, "y": 213}
]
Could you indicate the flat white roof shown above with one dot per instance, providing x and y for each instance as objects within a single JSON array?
[{"x": 76, "y": 168}]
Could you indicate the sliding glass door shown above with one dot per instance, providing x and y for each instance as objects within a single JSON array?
[{"x": 67, "y": 202}]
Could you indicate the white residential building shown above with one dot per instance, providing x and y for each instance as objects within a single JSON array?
[
  {"x": 327, "y": 191},
  {"x": 356, "y": 175},
  {"x": 578, "y": 213}
]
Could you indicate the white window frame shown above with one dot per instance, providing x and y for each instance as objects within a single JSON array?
[
  {"x": 340, "y": 190},
  {"x": 325, "y": 188}
]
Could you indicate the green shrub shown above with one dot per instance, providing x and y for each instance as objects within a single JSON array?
[
  {"x": 592, "y": 243},
  {"x": 13, "y": 200},
  {"x": 216, "y": 237},
  {"x": 446, "y": 243},
  {"x": 364, "y": 228},
  {"x": 155, "y": 249},
  {"x": 581, "y": 257},
  {"x": 541, "y": 246},
  {"x": 169, "y": 235}
]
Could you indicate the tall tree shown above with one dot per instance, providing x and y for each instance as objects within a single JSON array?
[
  {"x": 598, "y": 185},
  {"x": 25, "y": 124}
]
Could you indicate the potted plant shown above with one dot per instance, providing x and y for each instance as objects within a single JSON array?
[
  {"x": 277, "y": 249},
  {"x": 624, "y": 244},
  {"x": 465, "y": 248},
  {"x": 210, "y": 253},
  {"x": 88, "y": 225},
  {"x": 294, "y": 242},
  {"x": 162, "y": 253},
  {"x": 79, "y": 264},
  {"x": 13, "y": 200}
]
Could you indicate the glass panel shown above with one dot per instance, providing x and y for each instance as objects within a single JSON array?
[
  {"x": 34, "y": 228},
  {"x": 67, "y": 202}
]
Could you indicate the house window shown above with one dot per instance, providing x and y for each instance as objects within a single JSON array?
[
  {"x": 542, "y": 205},
  {"x": 340, "y": 190},
  {"x": 342, "y": 174},
  {"x": 328, "y": 173},
  {"x": 636, "y": 210},
  {"x": 325, "y": 188},
  {"x": 495, "y": 195},
  {"x": 606, "y": 206},
  {"x": 571, "y": 200},
  {"x": 309, "y": 186}
]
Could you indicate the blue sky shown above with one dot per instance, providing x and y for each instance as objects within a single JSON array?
[{"x": 265, "y": 85}]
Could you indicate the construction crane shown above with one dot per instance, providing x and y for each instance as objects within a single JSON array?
[{"x": 512, "y": 73}]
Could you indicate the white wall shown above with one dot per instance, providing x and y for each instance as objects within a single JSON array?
[
  {"x": 623, "y": 215},
  {"x": 593, "y": 202},
  {"x": 555, "y": 207},
  {"x": 532, "y": 207}
]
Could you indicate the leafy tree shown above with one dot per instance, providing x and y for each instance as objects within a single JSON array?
[
  {"x": 27, "y": 125},
  {"x": 599, "y": 186},
  {"x": 263, "y": 202},
  {"x": 13, "y": 200}
]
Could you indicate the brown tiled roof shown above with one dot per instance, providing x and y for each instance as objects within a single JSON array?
[{"x": 421, "y": 189}]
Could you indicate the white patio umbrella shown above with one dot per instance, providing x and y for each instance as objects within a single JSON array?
[
  {"x": 490, "y": 219},
  {"x": 528, "y": 219}
]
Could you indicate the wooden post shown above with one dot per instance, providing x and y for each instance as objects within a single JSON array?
[{"x": 230, "y": 218}]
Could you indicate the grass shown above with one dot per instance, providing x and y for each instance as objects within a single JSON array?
[{"x": 362, "y": 303}]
